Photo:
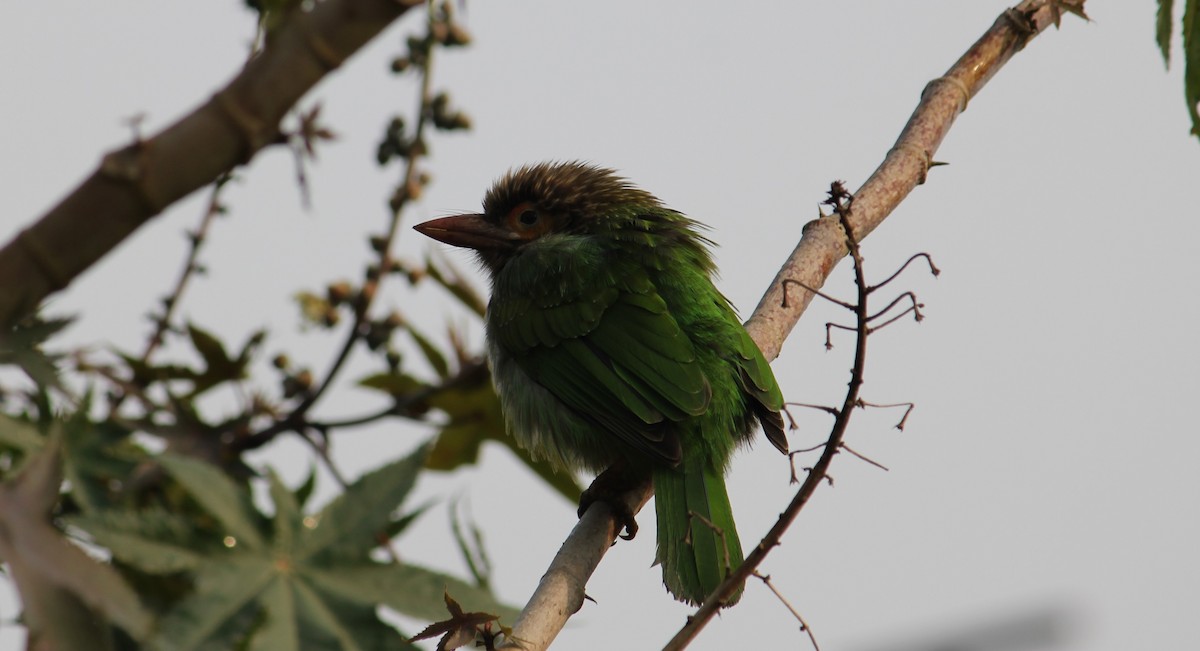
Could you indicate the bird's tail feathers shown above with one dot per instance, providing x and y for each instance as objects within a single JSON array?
[{"x": 697, "y": 538}]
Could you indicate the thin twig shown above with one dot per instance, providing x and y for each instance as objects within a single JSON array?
[
  {"x": 795, "y": 478},
  {"x": 909, "y": 295},
  {"x": 831, "y": 299},
  {"x": 297, "y": 418},
  {"x": 829, "y": 333},
  {"x": 932, "y": 269},
  {"x": 869, "y": 460},
  {"x": 903, "y": 419},
  {"x": 170, "y": 303},
  {"x": 766, "y": 578},
  {"x": 915, "y": 309},
  {"x": 832, "y": 411},
  {"x": 196, "y": 240},
  {"x": 474, "y": 371},
  {"x": 819, "y": 472}
]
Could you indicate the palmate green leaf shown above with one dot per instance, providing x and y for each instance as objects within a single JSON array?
[
  {"x": 144, "y": 373},
  {"x": 560, "y": 480},
  {"x": 409, "y": 589},
  {"x": 22, "y": 437},
  {"x": 432, "y": 355},
  {"x": 20, "y": 345},
  {"x": 1191, "y": 56},
  {"x": 473, "y": 551},
  {"x": 317, "y": 612},
  {"x": 154, "y": 541},
  {"x": 475, "y": 417},
  {"x": 397, "y": 526},
  {"x": 288, "y": 519},
  {"x": 314, "y": 587},
  {"x": 253, "y": 343},
  {"x": 232, "y": 634},
  {"x": 361, "y": 621},
  {"x": 211, "y": 350},
  {"x": 223, "y": 588},
  {"x": 305, "y": 490},
  {"x": 19, "y": 434},
  {"x": 262, "y": 602},
  {"x": 54, "y": 576},
  {"x": 397, "y": 385},
  {"x": 97, "y": 457},
  {"x": 35, "y": 331},
  {"x": 347, "y": 527},
  {"x": 218, "y": 366},
  {"x": 219, "y": 495},
  {"x": 280, "y": 630},
  {"x": 1166, "y": 13}
]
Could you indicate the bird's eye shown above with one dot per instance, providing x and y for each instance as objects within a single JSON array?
[{"x": 527, "y": 222}]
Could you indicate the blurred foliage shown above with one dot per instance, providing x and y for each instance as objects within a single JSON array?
[
  {"x": 127, "y": 510},
  {"x": 1190, "y": 31}
]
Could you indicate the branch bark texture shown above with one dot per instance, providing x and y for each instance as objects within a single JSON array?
[
  {"x": 137, "y": 182},
  {"x": 905, "y": 167},
  {"x": 822, "y": 246},
  {"x": 560, "y": 593}
]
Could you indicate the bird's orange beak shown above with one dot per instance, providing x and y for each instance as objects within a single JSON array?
[{"x": 469, "y": 231}]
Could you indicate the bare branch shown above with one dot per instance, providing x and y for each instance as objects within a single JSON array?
[
  {"x": 139, "y": 181},
  {"x": 560, "y": 593},
  {"x": 914, "y": 309},
  {"x": 910, "y": 296},
  {"x": 766, "y": 579},
  {"x": 903, "y": 419},
  {"x": 832, "y": 411},
  {"x": 932, "y": 269},
  {"x": 818, "y": 292},
  {"x": 847, "y": 448},
  {"x": 823, "y": 245},
  {"x": 191, "y": 266}
]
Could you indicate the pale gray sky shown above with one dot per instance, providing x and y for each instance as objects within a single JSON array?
[{"x": 1051, "y": 460}]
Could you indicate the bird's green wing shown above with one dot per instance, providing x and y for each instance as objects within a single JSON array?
[
  {"x": 613, "y": 354},
  {"x": 758, "y": 382}
]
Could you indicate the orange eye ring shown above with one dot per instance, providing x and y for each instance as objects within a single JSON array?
[{"x": 527, "y": 221}]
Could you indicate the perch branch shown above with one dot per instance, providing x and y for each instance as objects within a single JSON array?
[
  {"x": 822, "y": 245},
  {"x": 561, "y": 590}
]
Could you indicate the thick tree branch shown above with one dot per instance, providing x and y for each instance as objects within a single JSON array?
[
  {"x": 138, "y": 181},
  {"x": 823, "y": 245},
  {"x": 905, "y": 167},
  {"x": 560, "y": 593}
]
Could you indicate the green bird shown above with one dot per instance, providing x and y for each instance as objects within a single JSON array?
[{"x": 611, "y": 349}]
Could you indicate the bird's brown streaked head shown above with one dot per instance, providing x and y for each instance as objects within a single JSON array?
[
  {"x": 568, "y": 192},
  {"x": 572, "y": 198}
]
